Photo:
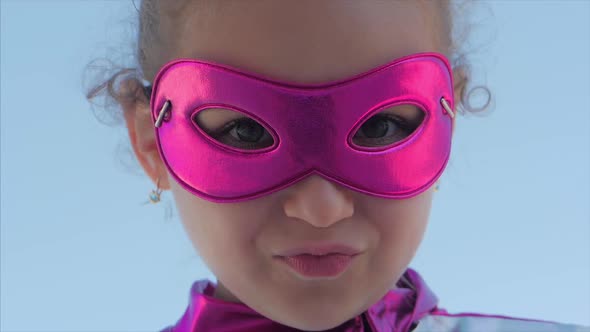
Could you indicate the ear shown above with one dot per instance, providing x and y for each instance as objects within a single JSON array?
[
  {"x": 459, "y": 81},
  {"x": 141, "y": 131}
]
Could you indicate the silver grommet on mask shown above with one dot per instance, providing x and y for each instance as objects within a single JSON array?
[
  {"x": 164, "y": 114},
  {"x": 447, "y": 107}
]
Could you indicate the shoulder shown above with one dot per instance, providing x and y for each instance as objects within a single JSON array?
[{"x": 444, "y": 322}]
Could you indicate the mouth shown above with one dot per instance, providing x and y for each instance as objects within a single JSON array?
[
  {"x": 319, "y": 260},
  {"x": 320, "y": 249},
  {"x": 307, "y": 266}
]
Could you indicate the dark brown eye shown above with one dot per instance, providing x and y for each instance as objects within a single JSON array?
[
  {"x": 389, "y": 126},
  {"x": 248, "y": 130},
  {"x": 245, "y": 133},
  {"x": 378, "y": 126},
  {"x": 234, "y": 129}
]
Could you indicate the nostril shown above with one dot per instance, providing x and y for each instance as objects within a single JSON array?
[{"x": 319, "y": 201}]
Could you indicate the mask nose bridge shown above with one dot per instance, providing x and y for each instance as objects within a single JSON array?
[
  {"x": 311, "y": 128},
  {"x": 317, "y": 123}
]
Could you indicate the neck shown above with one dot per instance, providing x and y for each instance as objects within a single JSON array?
[{"x": 222, "y": 293}]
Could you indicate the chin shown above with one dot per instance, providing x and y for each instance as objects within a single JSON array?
[
  {"x": 314, "y": 321},
  {"x": 314, "y": 325}
]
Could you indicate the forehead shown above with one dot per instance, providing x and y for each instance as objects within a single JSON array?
[{"x": 304, "y": 41}]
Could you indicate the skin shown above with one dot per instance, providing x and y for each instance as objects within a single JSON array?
[{"x": 301, "y": 42}]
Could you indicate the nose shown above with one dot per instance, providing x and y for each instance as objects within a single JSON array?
[{"x": 319, "y": 202}]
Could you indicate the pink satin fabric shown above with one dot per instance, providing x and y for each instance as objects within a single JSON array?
[
  {"x": 396, "y": 311},
  {"x": 311, "y": 125},
  {"x": 399, "y": 310}
]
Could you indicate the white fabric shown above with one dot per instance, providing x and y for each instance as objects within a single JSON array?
[{"x": 440, "y": 323}]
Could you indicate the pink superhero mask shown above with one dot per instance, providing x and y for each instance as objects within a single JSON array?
[{"x": 312, "y": 128}]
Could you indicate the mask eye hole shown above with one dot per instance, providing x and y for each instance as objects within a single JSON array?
[
  {"x": 389, "y": 126},
  {"x": 233, "y": 128}
]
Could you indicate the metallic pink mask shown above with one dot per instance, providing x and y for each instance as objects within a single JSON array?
[{"x": 311, "y": 125}]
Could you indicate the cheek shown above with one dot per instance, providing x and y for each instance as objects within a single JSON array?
[
  {"x": 400, "y": 226},
  {"x": 215, "y": 228}
]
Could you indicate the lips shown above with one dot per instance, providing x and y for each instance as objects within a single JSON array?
[
  {"x": 319, "y": 260},
  {"x": 312, "y": 267},
  {"x": 320, "y": 249}
]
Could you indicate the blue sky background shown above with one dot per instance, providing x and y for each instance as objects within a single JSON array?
[{"x": 509, "y": 230}]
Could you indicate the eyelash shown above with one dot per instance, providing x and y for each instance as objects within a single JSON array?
[
  {"x": 400, "y": 122},
  {"x": 231, "y": 125}
]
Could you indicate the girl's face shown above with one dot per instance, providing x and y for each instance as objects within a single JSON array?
[{"x": 303, "y": 42}]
